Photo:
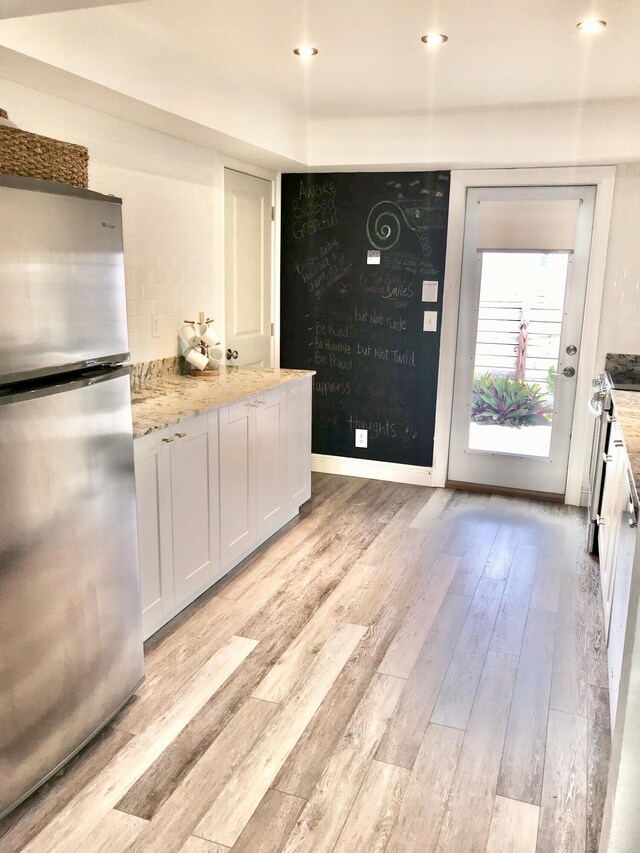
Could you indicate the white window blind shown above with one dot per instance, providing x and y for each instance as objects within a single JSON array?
[{"x": 528, "y": 225}]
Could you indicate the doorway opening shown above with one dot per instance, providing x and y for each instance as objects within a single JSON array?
[{"x": 524, "y": 278}]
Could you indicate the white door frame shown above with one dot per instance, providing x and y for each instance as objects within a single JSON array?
[
  {"x": 223, "y": 162},
  {"x": 603, "y": 178}
]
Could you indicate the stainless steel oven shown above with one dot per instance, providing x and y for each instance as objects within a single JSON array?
[{"x": 600, "y": 406}]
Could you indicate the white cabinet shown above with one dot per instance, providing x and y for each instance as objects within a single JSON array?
[
  {"x": 194, "y": 504},
  {"x": 298, "y": 442},
  {"x": 237, "y": 479},
  {"x": 213, "y": 487},
  {"x": 271, "y": 462},
  {"x": 253, "y": 472},
  {"x": 625, "y": 554},
  {"x": 616, "y": 548},
  {"x": 154, "y": 536},
  {"x": 178, "y": 518},
  {"x": 614, "y": 499}
]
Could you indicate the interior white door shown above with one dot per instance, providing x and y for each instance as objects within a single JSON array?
[
  {"x": 248, "y": 269},
  {"x": 524, "y": 276}
]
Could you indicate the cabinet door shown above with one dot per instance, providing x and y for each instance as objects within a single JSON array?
[
  {"x": 614, "y": 499},
  {"x": 299, "y": 442},
  {"x": 625, "y": 552},
  {"x": 194, "y": 504},
  {"x": 237, "y": 479},
  {"x": 153, "y": 503},
  {"x": 271, "y": 463}
]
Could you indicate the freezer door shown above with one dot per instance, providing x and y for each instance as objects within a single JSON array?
[
  {"x": 62, "y": 296},
  {"x": 70, "y": 620}
]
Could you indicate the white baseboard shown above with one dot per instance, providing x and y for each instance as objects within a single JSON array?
[{"x": 371, "y": 469}]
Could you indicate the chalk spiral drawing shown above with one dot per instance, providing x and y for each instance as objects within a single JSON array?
[{"x": 385, "y": 219}]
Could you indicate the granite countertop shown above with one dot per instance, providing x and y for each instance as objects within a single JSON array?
[
  {"x": 627, "y": 405},
  {"x": 160, "y": 400}
]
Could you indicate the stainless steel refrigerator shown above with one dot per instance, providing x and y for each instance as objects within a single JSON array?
[{"x": 70, "y": 623}]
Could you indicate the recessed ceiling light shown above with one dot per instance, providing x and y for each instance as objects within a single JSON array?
[
  {"x": 591, "y": 25},
  {"x": 434, "y": 38},
  {"x": 305, "y": 51}
]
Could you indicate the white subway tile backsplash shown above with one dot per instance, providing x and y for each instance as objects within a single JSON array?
[
  {"x": 158, "y": 306},
  {"x": 134, "y": 293},
  {"x": 141, "y": 323},
  {"x": 151, "y": 291},
  {"x": 137, "y": 308}
]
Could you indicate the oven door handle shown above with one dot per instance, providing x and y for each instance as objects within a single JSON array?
[{"x": 595, "y": 407}]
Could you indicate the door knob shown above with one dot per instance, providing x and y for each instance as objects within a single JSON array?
[
  {"x": 232, "y": 354},
  {"x": 569, "y": 371}
]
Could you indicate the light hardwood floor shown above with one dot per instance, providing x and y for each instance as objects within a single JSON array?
[{"x": 401, "y": 669}]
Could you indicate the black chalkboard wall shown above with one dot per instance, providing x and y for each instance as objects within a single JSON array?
[{"x": 356, "y": 249}]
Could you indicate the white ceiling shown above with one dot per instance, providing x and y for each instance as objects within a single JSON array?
[
  {"x": 224, "y": 69},
  {"x": 22, "y": 8},
  {"x": 371, "y": 61}
]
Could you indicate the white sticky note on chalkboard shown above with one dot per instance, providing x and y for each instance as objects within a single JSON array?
[
  {"x": 373, "y": 257},
  {"x": 430, "y": 322},
  {"x": 429, "y": 291}
]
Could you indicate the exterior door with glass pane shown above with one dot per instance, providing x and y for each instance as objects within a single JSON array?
[{"x": 524, "y": 277}]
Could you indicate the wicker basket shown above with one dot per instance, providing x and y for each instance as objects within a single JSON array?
[{"x": 34, "y": 156}]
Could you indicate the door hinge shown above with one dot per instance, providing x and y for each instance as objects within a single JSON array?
[
  {"x": 273, "y": 214},
  {"x": 273, "y": 329}
]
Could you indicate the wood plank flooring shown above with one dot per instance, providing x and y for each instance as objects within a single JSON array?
[{"x": 400, "y": 670}]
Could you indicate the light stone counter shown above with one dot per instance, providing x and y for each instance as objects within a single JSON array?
[
  {"x": 627, "y": 405},
  {"x": 162, "y": 397}
]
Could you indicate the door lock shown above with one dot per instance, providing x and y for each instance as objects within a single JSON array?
[
  {"x": 571, "y": 350},
  {"x": 569, "y": 372}
]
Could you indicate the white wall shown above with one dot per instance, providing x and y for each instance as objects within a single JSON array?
[
  {"x": 620, "y": 321},
  {"x": 109, "y": 47},
  {"x": 594, "y": 133},
  {"x": 169, "y": 201},
  {"x": 171, "y": 196}
]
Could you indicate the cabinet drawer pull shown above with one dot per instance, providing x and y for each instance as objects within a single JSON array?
[
  {"x": 180, "y": 434},
  {"x": 167, "y": 440}
]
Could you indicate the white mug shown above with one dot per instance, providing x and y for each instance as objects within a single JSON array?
[
  {"x": 215, "y": 356},
  {"x": 190, "y": 334},
  {"x": 197, "y": 359},
  {"x": 210, "y": 336}
]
